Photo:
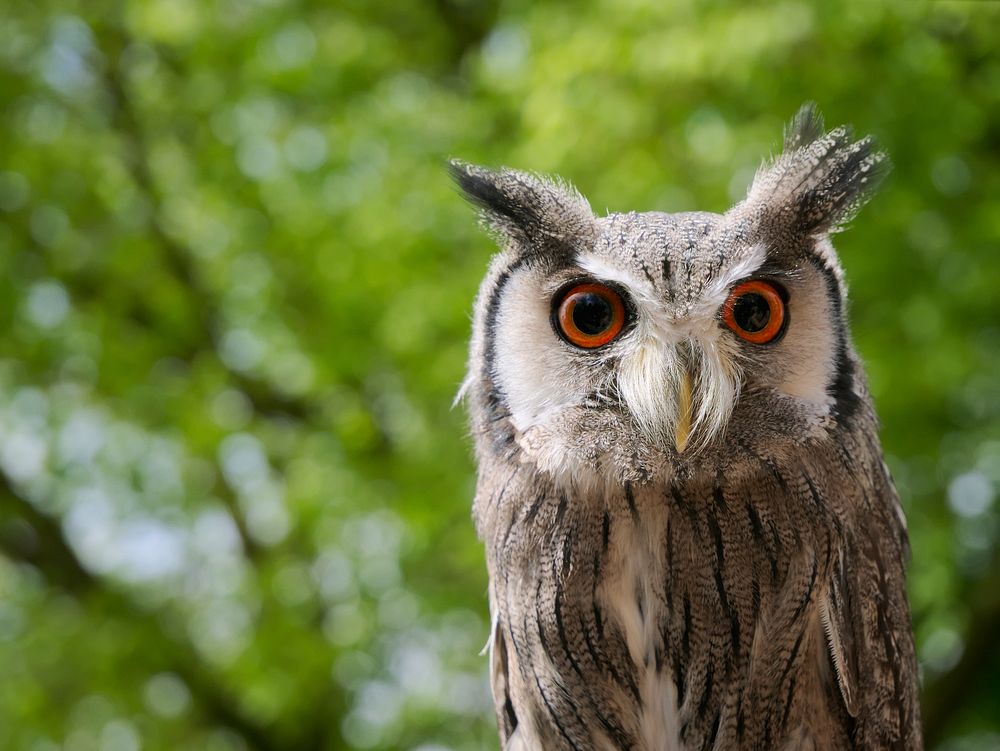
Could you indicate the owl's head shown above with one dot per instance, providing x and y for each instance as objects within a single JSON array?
[{"x": 632, "y": 346}]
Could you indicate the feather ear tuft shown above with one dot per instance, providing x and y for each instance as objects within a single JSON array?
[
  {"x": 525, "y": 208},
  {"x": 805, "y": 127},
  {"x": 821, "y": 180}
]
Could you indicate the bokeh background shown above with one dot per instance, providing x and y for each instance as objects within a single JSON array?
[{"x": 234, "y": 295}]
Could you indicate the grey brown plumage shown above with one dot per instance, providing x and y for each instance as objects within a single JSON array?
[{"x": 743, "y": 590}]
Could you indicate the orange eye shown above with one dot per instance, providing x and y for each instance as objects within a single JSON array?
[
  {"x": 590, "y": 315},
  {"x": 755, "y": 310}
]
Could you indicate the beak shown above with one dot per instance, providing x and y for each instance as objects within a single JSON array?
[{"x": 682, "y": 430}]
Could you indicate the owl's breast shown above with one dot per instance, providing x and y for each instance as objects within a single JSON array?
[
  {"x": 665, "y": 619},
  {"x": 633, "y": 593}
]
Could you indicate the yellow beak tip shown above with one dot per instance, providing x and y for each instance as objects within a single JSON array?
[
  {"x": 680, "y": 443},
  {"x": 682, "y": 431}
]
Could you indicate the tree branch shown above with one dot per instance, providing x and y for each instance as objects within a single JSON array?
[
  {"x": 468, "y": 24},
  {"x": 30, "y": 536},
  {"x": 126, "y": 122}
]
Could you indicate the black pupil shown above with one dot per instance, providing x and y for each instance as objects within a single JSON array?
[
  {"x": 592, "y": 314},
  {"x": 751, "y": 312}
]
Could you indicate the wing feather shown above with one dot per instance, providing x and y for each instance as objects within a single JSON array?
[{"x": 506, "y": 717}]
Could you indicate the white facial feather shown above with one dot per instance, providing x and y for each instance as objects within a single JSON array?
[
  {"x": 531, "y": 371},
  {"x": 667, "y": 344}
]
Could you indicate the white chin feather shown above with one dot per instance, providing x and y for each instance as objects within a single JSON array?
[{"x": 649, "y": 381}]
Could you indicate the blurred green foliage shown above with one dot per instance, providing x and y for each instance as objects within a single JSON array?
[{"x": 234, "y": 290}]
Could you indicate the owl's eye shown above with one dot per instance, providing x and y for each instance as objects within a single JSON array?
[
  {"x": 755, "y": 310},
  {"x": 590, "y": 315}
]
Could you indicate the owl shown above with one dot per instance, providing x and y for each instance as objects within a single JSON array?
[{"x": 692, "y": 539}]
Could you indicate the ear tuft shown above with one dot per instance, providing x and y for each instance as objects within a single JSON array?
[
  {"x": 805, "y": 127},
  {"x": 524, "y": 208},
  {"x": 821, "y": 180}
]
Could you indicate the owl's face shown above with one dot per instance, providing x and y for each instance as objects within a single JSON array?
[{"x": 634, "y": 346}]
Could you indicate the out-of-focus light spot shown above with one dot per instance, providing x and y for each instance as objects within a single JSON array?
[
  {"x": 988, "y": 459},
  {"x": 266, "y": 517},
  {"x": 224, "y": 126},
  {"x": 379, "y": 702},
  {"x": 31, "y": 406},
  {"x": 91, "y": 712},
  {"x": 126, "y": 445},
  {"x": 257, "y": 157},
  {"x": 147, "y": 549},
  {"x": 120, "y": 735},
  {"x": 674, "y": 198},
  {"x": 79, "y": 739},
  {"x": 64, "y": 66},
  {"x": 398, "y": 609},
  {"x": 166, "y": 695},
  {"x": 79, "y": 369},
  {"x": 345, "y": 624},
  {"x": 23, "y": 455},
  {"x": 292, "y": 585},
  {"x": 505, "y": 51},
  {"x": 376, "y": 534},
  {"x": 48, "y": 224},
  {"x": 159, "y": 469},
  {"x": 241, "y": 349},
  {"x": 256, "y": 116},
  {"x": 170, "y": 21},
  {"x": 951, "y": 175},
  {"x": 14, "y": 191},
  {"x": 377, "y": 707},
  {"x": 139, "y": 61},
  {"x": 291, "y": 47},
  {"x": 215, "y": 534},
  {"x": 942, "y": 649},
  {"x": 293, "y": 372},
  {"x": 975, "y": 537},
  {"x": 11, "y": 621},
  {"x": 740, "y": 182},
  {"x": 250, "y": 275},
  {"x": 212, "y": 237},
  {"x": 379, "y": 573},
  {"x": 243, "y": 459},
  {"x": 708, "y": 135},
  {"x": 353, "y": 667},
  {"x": 221, "y": 739},
  {"x": 928, "y": 231},
  {"x": 89, "y": 527},
  {"x": 407, "y": 92},
  {"x": 46, "y": 304},
  {"x": 461, "y": 631},
  {"x": 81, "y": 437},
  {"x": 418, "y": 670},
  {"x": 305, "y": 148},
  {"x": 221, "y": 630},
  {"x": 332, "y": 573},
  {"x": 42, "y": 121},
  {"x": 467, "y": 694},
  {"x": 359, "y": 733},
  {"x": 231, "y": 409},
  {"x": 970, "y": 494}
]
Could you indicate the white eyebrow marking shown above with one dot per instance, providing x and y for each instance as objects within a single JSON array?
[
  {"x": 602, "y": 268},
  {"x": 718, "y": 288}
]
